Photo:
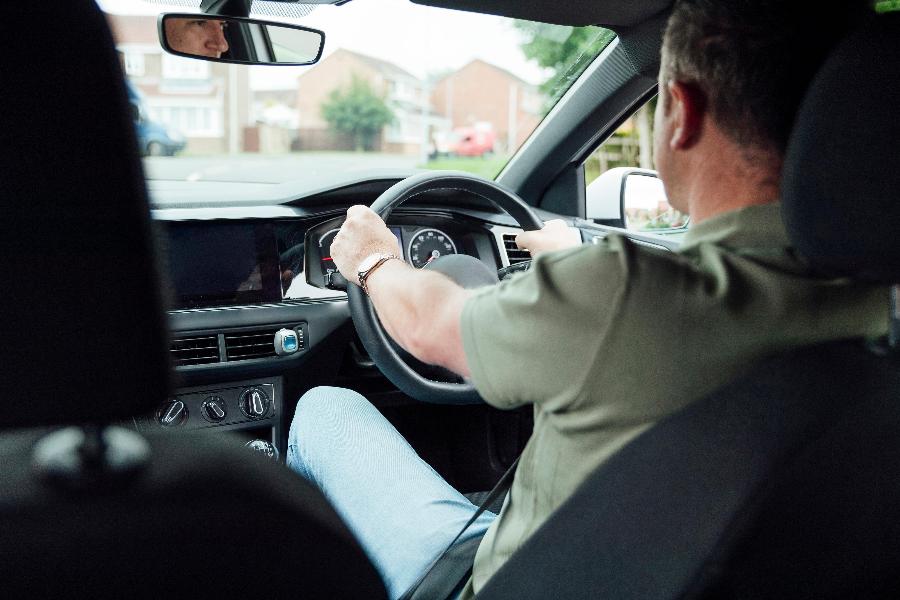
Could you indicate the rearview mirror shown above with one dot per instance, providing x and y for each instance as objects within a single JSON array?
[{"x": 240, "y": 40}]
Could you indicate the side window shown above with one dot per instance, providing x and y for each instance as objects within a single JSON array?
[{"x": 646, "y": 207}]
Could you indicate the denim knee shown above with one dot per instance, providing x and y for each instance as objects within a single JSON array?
[{"x": 317, "y": 412}]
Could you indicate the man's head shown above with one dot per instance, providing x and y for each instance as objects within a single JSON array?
[
  {"x": 732, "y": 76},
  {"x": 197, "y": 37}
]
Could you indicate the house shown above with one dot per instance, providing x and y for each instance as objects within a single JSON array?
[
  {"x": 404, "y": 93},
  {"x": 206, "y": 102},
  {"x": 480, "y": 93}
]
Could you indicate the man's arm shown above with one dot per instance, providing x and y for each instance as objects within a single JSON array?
[{"x": 421, "y": 310}]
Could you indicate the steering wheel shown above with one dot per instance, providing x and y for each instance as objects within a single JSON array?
[{"x": 465, "y": 270}]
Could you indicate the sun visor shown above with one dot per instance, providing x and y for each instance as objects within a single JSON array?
[{"x": 610, "y": 13}]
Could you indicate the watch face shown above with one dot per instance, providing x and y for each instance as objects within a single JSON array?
[{"x": 368, "y": 262}]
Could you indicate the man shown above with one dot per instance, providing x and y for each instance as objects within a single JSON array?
[
  {"x": 625, "y": 335},
  {"x": 197, "y": 37}
]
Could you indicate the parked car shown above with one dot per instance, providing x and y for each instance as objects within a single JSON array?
[
  {"x": 477, "y": 140},
  {"x": 154, "y": 139}
]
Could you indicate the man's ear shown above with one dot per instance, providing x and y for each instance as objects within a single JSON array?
[{"x": 687, "y": 106}]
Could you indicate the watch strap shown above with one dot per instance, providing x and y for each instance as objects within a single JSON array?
[{"x": 364, "y": 275}]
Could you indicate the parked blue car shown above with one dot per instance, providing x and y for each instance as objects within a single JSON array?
[{"x": 154, "y": 139}]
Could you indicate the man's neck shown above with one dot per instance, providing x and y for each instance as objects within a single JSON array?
[{"x": 728, "y": 177}]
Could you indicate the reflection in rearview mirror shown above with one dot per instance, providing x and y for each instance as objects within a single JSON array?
[{"x": 239, "y": 40}]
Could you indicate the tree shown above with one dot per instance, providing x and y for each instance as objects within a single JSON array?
[
  {"x": 565, "y": 50},
  {"x": 358, "y": 111}
]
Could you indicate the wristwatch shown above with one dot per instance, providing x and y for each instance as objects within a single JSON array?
[{"x": 368, "y": 266}]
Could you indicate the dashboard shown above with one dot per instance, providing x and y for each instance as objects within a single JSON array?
[
  {"x": 242, "y": 279},
  {"x": 245, "y": 269}
]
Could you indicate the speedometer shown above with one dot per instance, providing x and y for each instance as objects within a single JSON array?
[{"x": 427, "y": 245}]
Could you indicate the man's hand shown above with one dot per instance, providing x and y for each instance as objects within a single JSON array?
[
  {"x": 362, "y": 234},
  {"x": 555, "y": 235}
]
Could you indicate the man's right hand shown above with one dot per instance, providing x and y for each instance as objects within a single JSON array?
[{"x": 555, "y": 235}]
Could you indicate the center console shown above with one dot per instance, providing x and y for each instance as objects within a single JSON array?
[{"x": 251, "y": 408}]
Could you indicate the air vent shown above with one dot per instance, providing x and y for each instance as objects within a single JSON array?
[
  {"x": 195, "y": 350},
  {"x": 513, "y": 252},
  {"x": 245, "y": 345}
]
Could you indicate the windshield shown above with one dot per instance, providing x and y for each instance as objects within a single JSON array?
[{"x": 399, "y": 86}]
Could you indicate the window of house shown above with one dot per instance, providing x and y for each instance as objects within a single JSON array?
[
  {"x": 191, "y": 121},
  {"x": 134, "y": 64},
  {"x": 176, "y": 67}
]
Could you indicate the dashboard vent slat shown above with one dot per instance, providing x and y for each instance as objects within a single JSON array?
[
  {"x": 513, "y": 252},
  {"x": 246, "y": 345},
  {"x": 194, "y": 350}
]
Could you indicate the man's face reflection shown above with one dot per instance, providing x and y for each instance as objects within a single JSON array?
[{"x": 197, "y": 37}]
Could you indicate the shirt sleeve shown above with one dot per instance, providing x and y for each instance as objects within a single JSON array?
[{"x": 533, "y": 339}]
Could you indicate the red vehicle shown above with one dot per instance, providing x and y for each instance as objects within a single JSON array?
[{"x": 473, "y": 141}]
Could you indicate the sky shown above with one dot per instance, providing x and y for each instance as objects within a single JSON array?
[{"x": 422, "y": 40}]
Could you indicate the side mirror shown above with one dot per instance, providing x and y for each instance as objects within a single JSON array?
[
  {"x": 240, "y": 40},
  {"x": 634, "y": 199}
]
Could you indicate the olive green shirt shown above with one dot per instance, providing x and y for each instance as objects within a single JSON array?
[{"x": 607, "y": 339}]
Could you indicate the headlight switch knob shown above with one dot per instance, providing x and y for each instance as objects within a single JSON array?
[{"x": 255, "y": 403}]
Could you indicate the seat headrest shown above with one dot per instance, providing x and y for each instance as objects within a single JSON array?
[
  {"x": 841, "y": 182},
  {"x": 84, "y": 338}
]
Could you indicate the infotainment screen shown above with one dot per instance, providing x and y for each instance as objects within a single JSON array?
[{"x": 216, "y": 263}]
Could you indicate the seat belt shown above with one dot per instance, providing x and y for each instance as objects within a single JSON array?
[{"x": 450, "y": 570}]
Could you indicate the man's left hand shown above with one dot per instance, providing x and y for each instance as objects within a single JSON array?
[
  {"x": 362, "y": 234},
  {"x": 555, "y": 235}
]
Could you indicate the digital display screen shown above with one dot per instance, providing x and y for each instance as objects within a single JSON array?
[
  {"x": 214, "y": 264},
  {"x": 396, "y": 232}
]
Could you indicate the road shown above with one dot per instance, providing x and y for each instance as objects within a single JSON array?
[{"x": 261, "y": 168}]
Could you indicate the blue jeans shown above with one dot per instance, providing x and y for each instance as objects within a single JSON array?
[{"x": 402, "y": 512}]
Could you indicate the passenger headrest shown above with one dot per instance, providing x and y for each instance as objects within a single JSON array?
[
  {"x": 841, "y": 183},
  {"x": 83, "y": 334}
]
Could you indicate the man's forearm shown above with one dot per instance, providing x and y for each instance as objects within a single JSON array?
[{"x": 421, "y": 310}]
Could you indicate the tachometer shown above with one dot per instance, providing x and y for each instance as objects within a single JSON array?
[
  {"x": 427, "y": 245},
  {"x": 325, "y": 249}
]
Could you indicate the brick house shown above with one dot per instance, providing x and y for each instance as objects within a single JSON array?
[
  {"x": 207, "y": 102},
  {"x": 404, "y": 93},
  {"x": 481, "y": 92}
]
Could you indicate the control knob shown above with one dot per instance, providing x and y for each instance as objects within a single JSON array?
[
  {"x": 255, "y": 403},
  {"x": 214, "y": 409},
  {"x": 172, "y": 414},
  {"x": 265, "y": 448}
]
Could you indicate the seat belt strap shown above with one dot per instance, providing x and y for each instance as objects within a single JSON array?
[
  {"x": 500, "y": 489},
  {"x": 894, "y": 332}
]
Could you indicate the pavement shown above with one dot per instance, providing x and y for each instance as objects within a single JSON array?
[{"x": 266, "y": 168}]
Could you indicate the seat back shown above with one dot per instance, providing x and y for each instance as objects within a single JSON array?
[
  {"x": 85, "y": 341},
  {"x": 783, "y": 484}
]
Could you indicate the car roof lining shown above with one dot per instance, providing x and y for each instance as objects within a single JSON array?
[
  {"x": 294, "y": 10},
  {"x": 609, "y": 13}
]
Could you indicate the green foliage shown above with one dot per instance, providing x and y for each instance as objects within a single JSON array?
[
  {"x": 488, "y": 166},
  {"x": 358, "y": 111},
  {"x": 565, "y": 50}
]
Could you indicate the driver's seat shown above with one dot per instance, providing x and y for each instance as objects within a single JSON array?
[
  {"x": 785, "y": 484},
  {"x": 91, "y": 511}
]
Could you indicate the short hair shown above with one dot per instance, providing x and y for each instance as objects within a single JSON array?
[{"x": 753, "y": 59}]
